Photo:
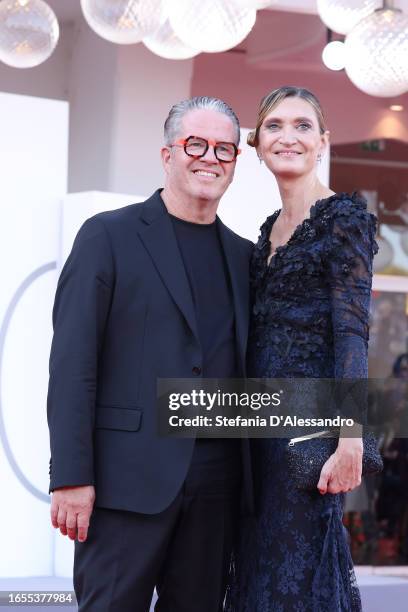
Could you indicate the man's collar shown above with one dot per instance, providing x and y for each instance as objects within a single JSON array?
[{"x": 153, "y": 207}]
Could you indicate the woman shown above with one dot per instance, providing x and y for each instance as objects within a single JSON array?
[{"x": 311, "y": 279}]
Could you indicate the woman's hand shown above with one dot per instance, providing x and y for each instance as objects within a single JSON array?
[{"x": 342, "y": 471}]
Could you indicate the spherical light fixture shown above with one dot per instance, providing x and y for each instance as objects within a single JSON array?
[
  {"x": 342, "y": 15},
  {"x": 377, "y": 53},
  {"x": 254, "y": 4},
  {"x": 165, "y": 43},
  {"x": 334, "y": 55},
  {"x": 210, "y": 25},
  {"x": 124, "y": 22},
  {"x": 29, "y": 32}
]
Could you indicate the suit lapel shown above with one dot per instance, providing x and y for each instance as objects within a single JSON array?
[
  {"x": 159, "y": 239},
  {"x": 238, "y": 267}
]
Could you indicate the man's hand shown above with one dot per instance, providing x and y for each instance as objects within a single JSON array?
[
  {"x": 71, "y": 508},
  {"x": 342, "y": 471}
]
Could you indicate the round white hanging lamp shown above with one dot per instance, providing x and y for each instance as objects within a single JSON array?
[
  {"x": 334, "y": 55},
  {"x": 165, "y": 43},
  {"x": 29, "y": 32},
  {"x": 377, "y": 53},
  {"x": 342, "y": 15},
  {"x": 210, "y": 25},
  {"x": 254, "y": 4},
  {"x": 124, "y": 22}
]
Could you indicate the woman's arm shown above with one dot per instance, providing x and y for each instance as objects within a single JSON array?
[{"x": 350, "y": 252}]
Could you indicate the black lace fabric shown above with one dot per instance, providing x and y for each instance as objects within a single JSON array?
[{"x": 310, "y": 308}]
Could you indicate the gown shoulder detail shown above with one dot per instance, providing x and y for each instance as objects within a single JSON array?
[{"x": 341, "y": 220}]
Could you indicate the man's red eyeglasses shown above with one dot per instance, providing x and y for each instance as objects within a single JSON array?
[{"x": 197, "y": 147}]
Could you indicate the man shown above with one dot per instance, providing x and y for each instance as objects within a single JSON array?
[{"x": 153, "y": 290}]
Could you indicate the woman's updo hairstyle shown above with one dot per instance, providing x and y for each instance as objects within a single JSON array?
[{"x": 274, "y": 98}]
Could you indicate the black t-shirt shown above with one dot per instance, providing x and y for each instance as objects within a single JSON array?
[
  {"x": 208, "y": 276},
  {"x": 207, "y": 273}
]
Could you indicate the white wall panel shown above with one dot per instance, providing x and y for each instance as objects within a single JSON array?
[
  {"x": 77, "y": 207},
  {"x": 33, "y": 163}
]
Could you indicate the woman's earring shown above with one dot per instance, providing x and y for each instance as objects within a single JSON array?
[
  {"x": 260, "y": 159},
  {"x": 319, "y": 158}
]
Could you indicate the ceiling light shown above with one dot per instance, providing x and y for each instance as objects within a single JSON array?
[
  {"x": 377, "y": 52},
  {"x": 334, "y": 55},
  {"x": 210, "y": 25},
  {"x": 124, "y": 22},
  {"x": 342, "y": 15},
  {"x": 29, "y": 32},
  {"x": 165, "y": 43}
]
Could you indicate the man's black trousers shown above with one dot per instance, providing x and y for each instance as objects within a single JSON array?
[{"x": 183, "y": 551}]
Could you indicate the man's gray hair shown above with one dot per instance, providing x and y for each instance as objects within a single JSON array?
[{"x": 172, "y": 125}]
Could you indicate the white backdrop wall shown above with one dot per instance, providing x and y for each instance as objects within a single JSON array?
[
  {"x": 92, "y": 84},
  {"x": 37, "y": 228},
  {"x": 147, "y": 87},
  {"x": 119, "y": 97},
  {"x": 33, "y": 162}
]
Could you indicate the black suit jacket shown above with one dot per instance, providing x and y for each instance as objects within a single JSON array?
[{"x": 123, "y": 317}]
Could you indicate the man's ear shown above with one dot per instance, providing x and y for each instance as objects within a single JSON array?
[{"x": 166, "y": 158}]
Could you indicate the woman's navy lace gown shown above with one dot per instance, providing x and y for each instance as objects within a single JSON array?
[{"x": 309, "y": 319}]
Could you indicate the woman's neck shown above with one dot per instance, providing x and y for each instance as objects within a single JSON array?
[{"x": 298, "y": 195}]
